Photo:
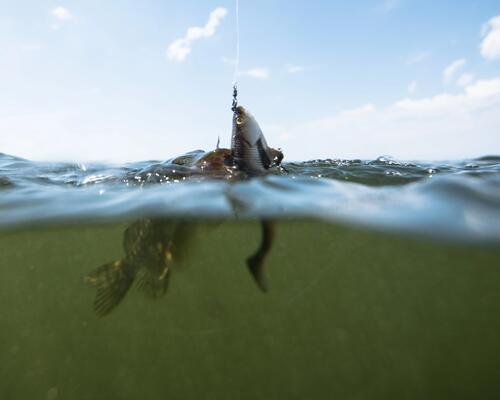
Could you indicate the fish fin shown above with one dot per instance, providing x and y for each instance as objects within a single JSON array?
[
  {"x": 112, "y": 282},
  {"x": 256, "y": 266},
  {"x": 265, "y": 159},
  {"x": 153, "y": 285},
  {"x": 256, "y": 261}
]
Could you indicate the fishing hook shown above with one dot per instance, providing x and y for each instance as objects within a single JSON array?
[{"x": 235, "y": 98}]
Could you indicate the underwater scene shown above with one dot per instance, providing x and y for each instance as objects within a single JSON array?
[
  {"x": 348, "y": 279},
  {"x": 349, "y": 249}
]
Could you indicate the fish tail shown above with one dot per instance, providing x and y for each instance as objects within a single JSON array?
[
  {"x": 112, "y": 282},
  {"x": 256, "y": 261},
  {"x": 256, "y": 266}
]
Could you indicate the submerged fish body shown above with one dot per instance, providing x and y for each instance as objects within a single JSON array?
[{"x": 153, "y": 246}]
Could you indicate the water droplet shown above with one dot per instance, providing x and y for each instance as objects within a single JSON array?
[
  {"x": 471, "y": 166},
  {"x": 387, "y": 160},
  {"x": 392, "y": 173}
]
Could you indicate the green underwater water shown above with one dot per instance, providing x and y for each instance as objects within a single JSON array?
[{"x": 350, "y": 314}]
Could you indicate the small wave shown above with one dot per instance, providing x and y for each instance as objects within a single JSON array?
[
  {"x": 489, "y": 159},
  {"x": 455, "y": 200}
]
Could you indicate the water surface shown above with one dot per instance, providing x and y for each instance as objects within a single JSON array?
[
  {"x": 448, "y": 200},
  {"x": 383, "y": 278}
]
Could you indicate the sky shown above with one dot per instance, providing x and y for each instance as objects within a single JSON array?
[{"x": 87, "y": 80}]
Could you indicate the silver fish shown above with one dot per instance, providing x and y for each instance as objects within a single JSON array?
[
  {"x": 252, "y": 155},
  {"x": 250, "y": 149}
]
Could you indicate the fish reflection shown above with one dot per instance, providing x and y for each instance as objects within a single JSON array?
[{"x": 153, "y": 248}]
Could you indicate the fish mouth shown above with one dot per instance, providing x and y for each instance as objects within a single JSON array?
[{"x": 240, "y": 111}]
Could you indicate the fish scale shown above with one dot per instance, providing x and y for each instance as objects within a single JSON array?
[{"x": 248, "y": 158}]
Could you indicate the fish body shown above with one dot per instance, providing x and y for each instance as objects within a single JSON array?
[
  {"x": 252, "y": 154},
  {"x": 152, "y": 247},
  {"x": 217, "y": 163},
  {"x": 250, "y": 150}
]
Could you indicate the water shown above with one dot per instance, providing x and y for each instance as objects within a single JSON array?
[{"x": 383, "y": 281}]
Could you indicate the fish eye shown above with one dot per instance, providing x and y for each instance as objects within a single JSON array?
[{"x": 239, "y": 120}]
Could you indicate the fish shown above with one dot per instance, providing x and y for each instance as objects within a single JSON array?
[
  {"x": 154, "y": 247},
  {"x": 252, "y": 155},
  {"x": 250, "y": 150}
]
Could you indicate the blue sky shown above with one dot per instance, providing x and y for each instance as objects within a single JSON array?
[{"x": 93, "y": 80}]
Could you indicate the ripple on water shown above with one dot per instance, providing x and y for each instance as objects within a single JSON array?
[{"x": 384, "y": 193}]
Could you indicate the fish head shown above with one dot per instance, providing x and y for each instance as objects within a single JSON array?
[{"x": 245, "y": 127}]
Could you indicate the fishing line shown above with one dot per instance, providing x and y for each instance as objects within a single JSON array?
[{"x": 237, "y": 60}]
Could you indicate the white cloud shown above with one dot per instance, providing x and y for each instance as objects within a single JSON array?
[
  {"x": 483, "y": 89},
  {"x": 258, "y": 73},
  {"x": 418, "y": 58},
  {"x": 476, "y": 96},
  {"x": 343, "y": 118},
  {"x": 452, "y": 69},
  {"x": 443, "y": 126},
  {"x": 412, "y": 87},
  {"x": 490, "y": 46},
  {"x": 62, "y": 14},
  {"x": 465, "y": 79},
  {"x": 294, "y": 69},
  {"x": 180, "y": 48}
]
